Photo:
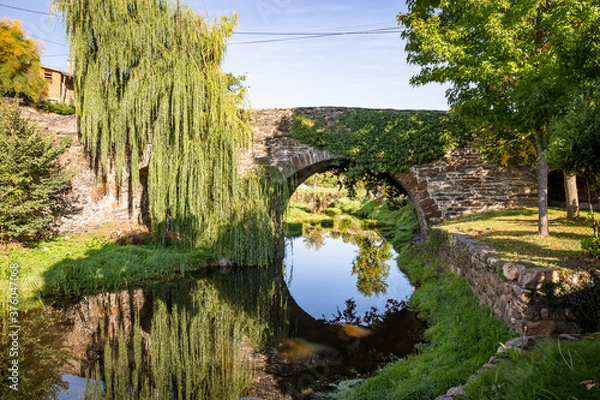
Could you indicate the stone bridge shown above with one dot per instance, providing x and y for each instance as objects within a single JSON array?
[{"x": 460, "y": 183}]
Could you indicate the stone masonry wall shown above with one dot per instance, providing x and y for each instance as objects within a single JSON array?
[
  {"x": 511, "y": 290},
  {"x": 273, "y": 145},
  {"x": 92, "y": 203},
  {"x": 463, "y": 183}
]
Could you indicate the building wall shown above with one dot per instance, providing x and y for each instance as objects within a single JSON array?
[{"x": 60, "y": 85}]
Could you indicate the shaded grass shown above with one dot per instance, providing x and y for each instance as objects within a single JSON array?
[
  {"x": 513, "y": 234},
  {"x": 553, "y": 370}
]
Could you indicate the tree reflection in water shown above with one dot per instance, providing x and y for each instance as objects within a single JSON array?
[
  {"x": 314, "y": 238},
  {"x": 371, "y": 263},
  {"x": 371, "y": 267}
]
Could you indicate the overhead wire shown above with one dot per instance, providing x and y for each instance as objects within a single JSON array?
[
  {"x": 25, "y": 9},
  {"x": 289, "y": 36}
]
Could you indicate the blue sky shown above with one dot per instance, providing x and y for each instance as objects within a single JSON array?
[{"x": 353, "y": 70}]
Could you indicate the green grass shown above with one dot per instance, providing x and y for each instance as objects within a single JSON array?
[
  {"x": 553, "y": 370},
  {"x": 513, "y": 233},
  {"x": 461, "y": 335},
  {"x": 72, "y": 266}
]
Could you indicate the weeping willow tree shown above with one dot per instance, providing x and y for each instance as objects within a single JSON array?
[{"x": 148, "y": 78}]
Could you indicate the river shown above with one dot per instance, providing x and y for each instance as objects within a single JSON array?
[{"x": 333, "y": 309}]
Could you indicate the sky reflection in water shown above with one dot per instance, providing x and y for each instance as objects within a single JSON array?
[{"x": 319, "y": 275}]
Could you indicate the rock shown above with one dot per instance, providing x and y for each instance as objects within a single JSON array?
[
  {"x": 541, "y": 328},
  {"x": 569, "y": 338},
  {"x": 520, "y": 344},
  {"x": 512, "y": 271},
  {"x": 535, "y": 278},
  {"x": 456, "y": 391},
  {"x": 225, "y": 265}
]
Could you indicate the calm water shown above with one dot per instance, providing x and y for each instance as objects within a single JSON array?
[
  {"x": 192, "y": 336},
  {"x": 323, "y": 273}
]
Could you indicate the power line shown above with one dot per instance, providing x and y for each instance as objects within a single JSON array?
[
  {"x": 356, "y": 32},
  {"x": 25, "y": 9},
  {"x": 314, "y": 36},
  {"x": 47, "y": 40},
  {"x": 294, "y": 35}
]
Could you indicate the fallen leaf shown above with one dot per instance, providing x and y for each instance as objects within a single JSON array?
[{"x": 589, "y": 384}]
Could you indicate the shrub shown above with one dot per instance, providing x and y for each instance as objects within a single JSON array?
[
  {"x": 32, "y": 182},
  {"x": 56, "y": 108},
  {"x": 591, "y": 246}
]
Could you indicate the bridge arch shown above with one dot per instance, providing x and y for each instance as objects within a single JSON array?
[{"x": 296, "y": 177}]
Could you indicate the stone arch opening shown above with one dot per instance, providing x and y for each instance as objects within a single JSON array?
[{"x": 398, "y": 181}]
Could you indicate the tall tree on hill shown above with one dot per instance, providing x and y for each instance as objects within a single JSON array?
[
  {"x": 501, "y": 59},
  {"x": 575, "y": 144},
  {"x": 20, "y": 70},
  {"x": 148, "y": 76}
]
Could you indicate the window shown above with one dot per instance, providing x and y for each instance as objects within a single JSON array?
[{"x": 48, "y": 76}]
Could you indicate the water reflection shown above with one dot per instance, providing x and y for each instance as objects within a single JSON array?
[
  {"x": 214, "y": 336},
  {"x": 371, "y": 265},
  {"x": 31, "y": 358},
  {"x": 190, "y": 339},
  {"x": 325, "y": 268}
]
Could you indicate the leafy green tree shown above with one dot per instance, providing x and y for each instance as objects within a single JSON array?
[
  {"x": 20, "y": 70},
  {"x": 501, "y": 58},
  {"x": 575, "y": 144},
  {"x": 32, "y": 181}
]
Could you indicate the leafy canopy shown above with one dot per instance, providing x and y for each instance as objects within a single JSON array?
[
  {"x": 372, "y": 144},
  {"x": 576, "y": 133},
  {"x": 32, "y": 181},
  {"x": 496, "y": 53},
  {"x": 20, "y": 71},
  {"x": 502, "y": 58}
]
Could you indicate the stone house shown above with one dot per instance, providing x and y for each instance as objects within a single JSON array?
[{"x": 60, "y": 85}]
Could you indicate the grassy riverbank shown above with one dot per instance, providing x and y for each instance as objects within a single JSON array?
[
  {"x": 70, "y": 266},
  {"x": 463, "y": 335}
]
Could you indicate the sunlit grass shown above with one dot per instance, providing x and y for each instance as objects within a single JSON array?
[
  {"x": 554, "y": 370},
  {"x": 72, "y": 265},
  {"x": 514, "y": 234}
]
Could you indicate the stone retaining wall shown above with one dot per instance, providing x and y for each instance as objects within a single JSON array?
[
  {"x": 463, "y": 183},
  {"x": 513, "y": 291},
  {"x": 91, "y": 202}
]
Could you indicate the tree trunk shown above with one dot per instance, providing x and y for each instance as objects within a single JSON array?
[
  {"x": 542, "y": 185},
  {"x": 571, "y": 195}
]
